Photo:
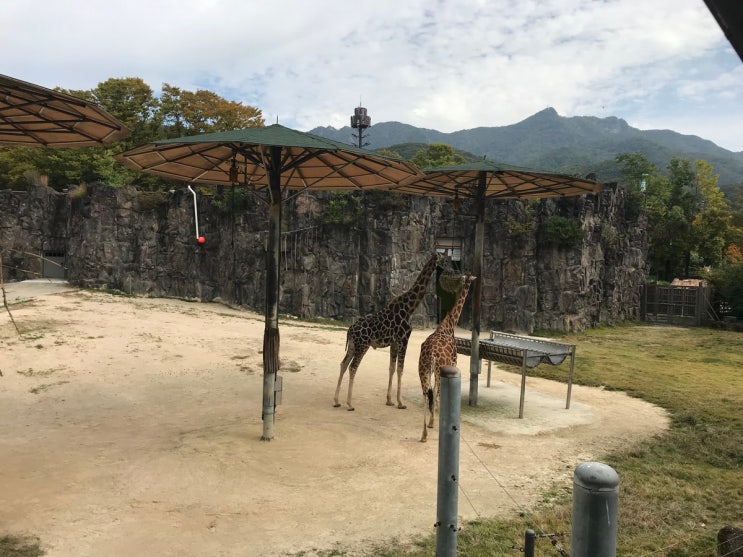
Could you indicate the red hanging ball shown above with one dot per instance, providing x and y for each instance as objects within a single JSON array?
[{"x": 201, "y": 240}]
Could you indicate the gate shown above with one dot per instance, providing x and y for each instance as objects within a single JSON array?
[
  {"x": 676, "y": 305},
  {"x": 53, "y": 258}
]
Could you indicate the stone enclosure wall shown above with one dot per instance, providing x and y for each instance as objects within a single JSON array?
[{"x": 342, "y": 256}]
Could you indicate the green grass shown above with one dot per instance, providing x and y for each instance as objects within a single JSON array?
[
  {"x": 676, "y": 490},
  {"x": 17, "y": 546}
]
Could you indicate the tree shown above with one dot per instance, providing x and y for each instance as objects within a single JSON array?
[
  {"x": 712, "y": 224},
  {"x": 437, "y": 154},
  {"x": 688, "y": 217},
  {"x": 134, "y": 103},
  {"x": 190, "y": 113},
  {"x": 636, "y": 174}
]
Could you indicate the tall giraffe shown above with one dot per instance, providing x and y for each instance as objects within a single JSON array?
[
  {"x": 388, "y": 327},
  {"x": 439, "y": 349}
]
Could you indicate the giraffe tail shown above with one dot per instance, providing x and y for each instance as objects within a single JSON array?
[{"x": 429, "y": 397}]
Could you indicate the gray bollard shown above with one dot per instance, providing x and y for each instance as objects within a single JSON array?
[
  {"x": 448, "y": 478},
  {"x": 595, "y": 505},
  {"x": 529, "y": 538}
]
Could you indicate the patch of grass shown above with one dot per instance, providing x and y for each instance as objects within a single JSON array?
[
  {"x": 314, "y": 323},
  {"x": 46, "y": 386},
  {"x": 20, "y": 546},
  {"x": 676, "y": 490}
]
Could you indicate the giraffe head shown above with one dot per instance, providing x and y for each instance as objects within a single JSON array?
[
  {"x": 451, "y": 318},
  {"x": 408, "y": 301}
]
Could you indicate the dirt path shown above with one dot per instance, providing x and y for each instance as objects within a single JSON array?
[{"x": 131, "y": 426}]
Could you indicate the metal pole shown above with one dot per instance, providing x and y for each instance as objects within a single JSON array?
[
  {"x": 195, "y": 210},
  {"x": 448, "y": 478},
  {"x": 529, "y": 542},
  {"x": 595, "y": 508}
]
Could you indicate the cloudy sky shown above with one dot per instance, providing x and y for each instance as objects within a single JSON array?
[{"x": 447, "y": 65}]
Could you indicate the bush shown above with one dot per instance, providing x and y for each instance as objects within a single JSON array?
[
  {"x": 728, "y": 283},
  {"x": 342, "y": 208},
  {"x": 561, "y": 232}
]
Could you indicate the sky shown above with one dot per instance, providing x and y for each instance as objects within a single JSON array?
[{"x": 446, "y": 65}]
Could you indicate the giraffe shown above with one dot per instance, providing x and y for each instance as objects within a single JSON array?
[
  {"x": 439, "y": 349},
  {"x": 388, "y": 327}
]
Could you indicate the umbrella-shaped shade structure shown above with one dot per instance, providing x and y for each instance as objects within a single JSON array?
[
  {"x": 31, "y": 115},
  {"x": 271, "y": 160},
  {"x": 482, "y": 180}
]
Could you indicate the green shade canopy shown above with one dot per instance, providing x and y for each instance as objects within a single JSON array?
[
  {"x": 500, "y": 182},
  {"x": 33, "y": 116},
  {"x": 307, "y": 161},
  {"x": 270, "y": 161},
  {"x": 481, "y": 180}
]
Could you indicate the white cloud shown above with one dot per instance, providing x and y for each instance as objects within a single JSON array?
[{"x": 446, "y": 65}]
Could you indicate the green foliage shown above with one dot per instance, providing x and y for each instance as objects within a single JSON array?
[
  {"x": 234, "y": 200},
  {"x": 390, "y": 153},
  {"x": 436, "y": 155},
  {"x": 563, "y": 233},
  {"x": 150, "y": 200},
  {"x": 16, "y": 546},
  {"x": 688, "y": 218},
  {"x": 190, "y": 113},
  {"x": 522, "y": 225},
  {"x": 610, "y": 236},
  {"x": 385, "y": 201},
  {"x": 342, "y": 208},
  {"x": 149, "y": 118},
  {"x": 727, "y": 280}
]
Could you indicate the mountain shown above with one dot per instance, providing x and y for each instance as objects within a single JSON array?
[{"x": 550, "y": 142}]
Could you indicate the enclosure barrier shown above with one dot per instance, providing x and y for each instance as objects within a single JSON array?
[
  {"x": 448, "y": 473},
  {"x": 595, "y": 506}
]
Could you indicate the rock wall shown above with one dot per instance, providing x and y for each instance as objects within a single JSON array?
[{"x": 342, "y": 256}]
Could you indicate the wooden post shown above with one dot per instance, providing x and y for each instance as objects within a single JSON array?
[
  {"x": 477, "y": 295},
  {"x": 271, "y": 331}
]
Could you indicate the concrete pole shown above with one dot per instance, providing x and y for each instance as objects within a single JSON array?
[
  {"x": 448, "y": 478},
  {"x": 529, "y": 543},
  {"x": 595, "y": 508}
]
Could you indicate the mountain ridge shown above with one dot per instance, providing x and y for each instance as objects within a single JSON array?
[{"x": 547, "y": 141}]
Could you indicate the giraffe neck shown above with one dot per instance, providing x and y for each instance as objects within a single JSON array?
[
  {"x": 409, "y": 301},
  {"x": 452, "y": 318}
]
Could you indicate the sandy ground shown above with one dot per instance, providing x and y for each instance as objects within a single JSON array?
[{"x": 131, "y": 426}]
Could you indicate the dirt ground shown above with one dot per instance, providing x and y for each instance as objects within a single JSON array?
[{"x": 131, "y": 426}]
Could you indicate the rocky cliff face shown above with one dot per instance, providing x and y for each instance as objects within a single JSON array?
[{"x": 342, "y": 256}]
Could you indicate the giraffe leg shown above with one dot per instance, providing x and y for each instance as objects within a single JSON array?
[
  {"x": 344, "y": 365},
  {"x": 427, "y": 407},
  {"x": 436, "y": 394},
  {"x": 424, "y": 367},
  {"x": 393, "y": 359},
  {"x": 352, "y": 374},
  {"x": 400, "y": 368},
  {"x": 424, "y": 435}
]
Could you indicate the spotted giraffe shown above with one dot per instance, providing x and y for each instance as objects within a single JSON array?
[
  {"x": 388, "y": 327},
  {"x": 439, "y": 349}
]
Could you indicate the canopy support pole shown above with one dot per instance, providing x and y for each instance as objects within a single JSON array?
[
  {"x": 477, "y": 299},
  {"x": 271, "y": 332}
]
